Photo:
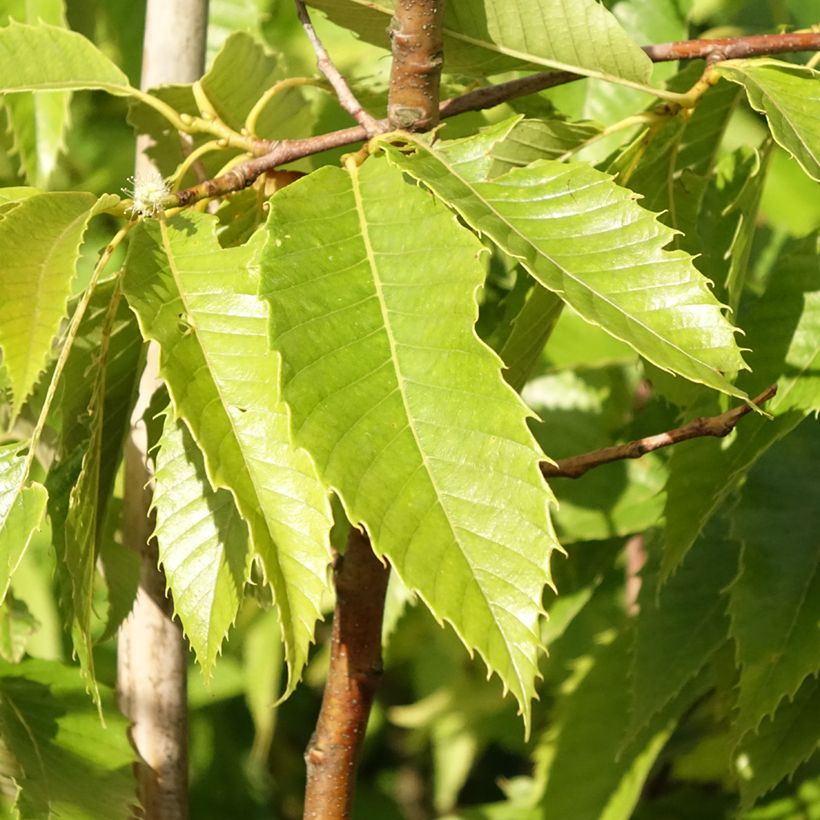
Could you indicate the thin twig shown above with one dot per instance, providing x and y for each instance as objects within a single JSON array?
[
  {"x": 355, "y": 671},
  {"x": 272, "y": 154},
  {"x": 718, "y": 426},
  {"x": 347, "y": 99}
]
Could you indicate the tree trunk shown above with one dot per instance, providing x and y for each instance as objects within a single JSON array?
[{"x": 152, "y": 656}]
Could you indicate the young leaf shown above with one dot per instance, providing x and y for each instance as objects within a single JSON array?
[
  {"x": 491, "y": 36},
  {"x": 203, "y": 543},
  {"x": 407, "y": 415},
  {"x": 780, "y": 744},
  {"x": 788, "y": 95},
  {"x": 775, "y": 599},
  {"x": 21, "y": 512},
  {"x": 784, "y": 333},
  {"x": 586, "y": 239},
  {"x": 50, "y": 58},
  {"x": 55, "y": 746},
  {"x": 36, "y": 283},
  {"x": 198, "y": 301}
]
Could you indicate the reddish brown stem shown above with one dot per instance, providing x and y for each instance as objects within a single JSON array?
[
  {"x": 346, "y": 97},
  {"x": 718, "y": 426},
  {"x": 355, "y": 671},
  {"x": 415, "y": 74},
  {"x": 734, "y": 48},
  {"x": 273, "y": 154}
]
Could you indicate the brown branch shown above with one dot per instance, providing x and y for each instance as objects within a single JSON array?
[
  {"x": 734, "y": 48},
  {"x": 273, "y": 154},
  {"x": 355, "y": 672},
  {"x": 718, "y": 426},
  {"x": 415, "y": 73},
  {"x": 346, "y": 97}
]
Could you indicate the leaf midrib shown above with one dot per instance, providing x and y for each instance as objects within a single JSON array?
[{"x": 371, "y": 259}]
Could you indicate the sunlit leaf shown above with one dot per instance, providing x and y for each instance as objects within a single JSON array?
[
  {"x": 585, "y": 238},
  {"x": 393, "y": 403},
  {"x": 50, "y": 58},
  {"x": 38, "y": 268},
  {"x": 491, "y": 36},
  {"x": 788, "y": 95},
  {"x": 198, "y": 301},
  {"x": 203, "y": 544},
  {"x": 37, "y": 121},
  {"x": 21, "y": 512}
]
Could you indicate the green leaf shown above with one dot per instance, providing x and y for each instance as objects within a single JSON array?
[
  {"x": 17, "y": 625},
  {"x": 38, "y": 121},
  {"x": 780, "y": 744},
  {"x": 589, "y": 775},
  {"x": 775, "y": 599},
  {"x": 783, "y": 331},
  {"x": 530, "y": 140},
  {"x": 50, "y": 58},
  {"x": 390, "y": 401},
  {"x": 203, "y": 543},
  {"x": 198, "y": 301},
  {"x": 39, "y": 267},
  {"x": 243, "y": 70},
  {"x": 21, "y": 512},
  {"x": 586, "y": 239},
  {"x": 728, "y": 217},
  {"x": 10, "y": 197},
  {"x": 530, "y": 329},
  {"x": 491, "y": 36},
  {"x": 98, "y": 450},
  {"x": 788, "y": 95},
  {"x": 56, "y": 746},
  {"x": 681, "y": 625}
]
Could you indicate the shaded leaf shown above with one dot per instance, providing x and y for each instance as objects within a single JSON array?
[
  {"x": 17, "y": 625},
  {"x": 50, "y": 58},
  {"x": 783, "y": 331},
  {"x": 198, "y": 301},
  {"x": 681, "y": 625},
  {"x": 788, "y": 95},
  {"x": 589, "y": 775},
  {"x": 780, "y": 744},
  {"x": 586, "y": 239},
  {"x": 203, "y": 543},
  {"x": 491, "y": 36},
  {"x": 56, "y": 745},
  {"x": 390, "y": 401},
  {"x": 36, "y": 283},
  {"x": 775, "y": 599}
]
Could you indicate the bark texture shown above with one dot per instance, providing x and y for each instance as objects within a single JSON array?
[
  {"x": 151, "y": 654},
  {"x": 415, "y": 74},
  {"x": 355, "y": 672}
]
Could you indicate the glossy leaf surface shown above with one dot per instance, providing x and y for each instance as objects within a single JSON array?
[
  {"x": 198, "y": 301},
  {"x": 389, "y": 400},
  {"x": 586, "y": 239}
]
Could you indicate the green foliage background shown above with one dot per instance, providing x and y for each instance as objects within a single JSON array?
[{"x": 698, "y": 698}]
